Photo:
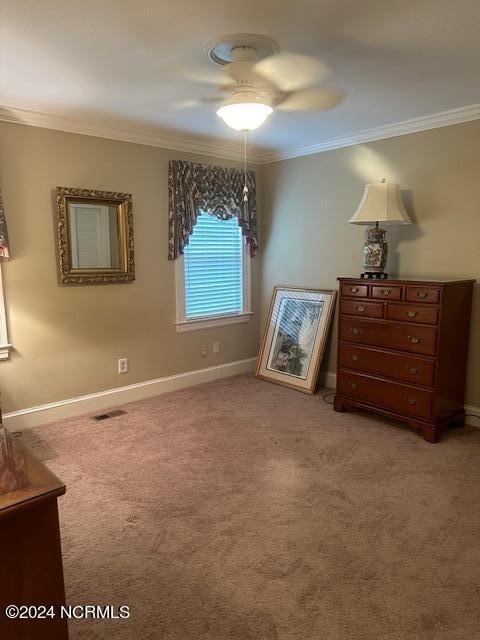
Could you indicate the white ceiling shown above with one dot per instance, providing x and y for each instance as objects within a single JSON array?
[{"x": 122, "y": 63}]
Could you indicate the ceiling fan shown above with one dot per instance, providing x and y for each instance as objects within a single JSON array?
[{"x": 259, "y": 78}]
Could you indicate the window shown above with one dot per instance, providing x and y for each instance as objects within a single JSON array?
[
  {"x": 5, "y": 346},
  {"x": 213, "y": 277}
]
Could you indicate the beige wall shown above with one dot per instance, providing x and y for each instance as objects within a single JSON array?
[
  {"x": 67, "y": 339},
  {"x": 307, "y": 201}
]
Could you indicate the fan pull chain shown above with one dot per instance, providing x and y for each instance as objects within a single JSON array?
[{"x": 245, "y": 188}]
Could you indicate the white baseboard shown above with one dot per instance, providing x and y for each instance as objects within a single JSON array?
[
  {"x": 46, "y": 413},
  {"x": 330, "y": 378},
  {"x": 472, "y": 411}
]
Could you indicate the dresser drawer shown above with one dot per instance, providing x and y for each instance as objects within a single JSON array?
[
  {"x": 386, "y": 292},
  {"x": 354, "y": 290},
  {"x": 390, "y": 395},
  {"x": 422, "y": 294},
  {"x": 362, "y": 308},
  {"x": 424, "y": 314},
  {"x": 391, "y": 335},
  {"x": 390, "y": 365}
]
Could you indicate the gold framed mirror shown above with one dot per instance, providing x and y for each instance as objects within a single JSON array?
[{"x": 95, "y": 236}]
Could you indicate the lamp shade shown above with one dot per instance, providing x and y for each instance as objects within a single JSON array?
[{"x": 381, "y": 202}]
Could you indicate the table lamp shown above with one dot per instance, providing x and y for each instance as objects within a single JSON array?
[{"x": 381, "y": 202}]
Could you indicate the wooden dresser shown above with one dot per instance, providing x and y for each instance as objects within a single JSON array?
[
  {"x": 31, "y": 569},
  {"x": 402, "y": 350}
]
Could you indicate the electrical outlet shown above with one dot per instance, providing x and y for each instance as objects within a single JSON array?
[
  {"x": 216, "y": 346},
  {"x": 123, "y": 365},
  {"x": 203, "y": 351}
]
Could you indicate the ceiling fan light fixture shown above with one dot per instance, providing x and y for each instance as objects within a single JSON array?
[{"x": 244, "y": 112}]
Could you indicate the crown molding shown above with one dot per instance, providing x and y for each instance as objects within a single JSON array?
[
  {"x": 148, "y": 137},
  {"x": 415, "y": 125},
  {"x": 155, "y": 138}
]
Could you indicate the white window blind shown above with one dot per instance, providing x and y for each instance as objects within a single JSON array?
[
  {"x": 4, "y": 345},
  {"x": 213, "y": 263}
]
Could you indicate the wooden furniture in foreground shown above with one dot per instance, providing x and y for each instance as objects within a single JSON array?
[
  {"x": 402, "y": 350},
  {"x": 31, "y": 569}
]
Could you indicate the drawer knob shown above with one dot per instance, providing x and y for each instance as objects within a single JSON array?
[
  {"x": 412, "y": 401},
  {"x": 422, "y": 294},
  {"x": 355, "y": 330},
  {"x": 352, "y": 385},
  {"x": 413, "y": 370},
  {"x": 354, "y": 289},
  {"x": 354, "y": 357},
  {"x": 386, "y": 292},
  {"x": 360, "y": 307},
  {"x": 413, "y": 339},
  {"x": 411, "y": 314}
]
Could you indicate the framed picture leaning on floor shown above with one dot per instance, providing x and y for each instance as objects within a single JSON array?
[{"x": 294, "y": 338}]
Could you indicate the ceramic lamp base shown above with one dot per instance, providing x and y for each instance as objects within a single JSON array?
[{"x": 375, "y": 250}]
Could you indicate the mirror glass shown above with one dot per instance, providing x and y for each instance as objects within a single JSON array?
[{"x": 95, "y": 236}]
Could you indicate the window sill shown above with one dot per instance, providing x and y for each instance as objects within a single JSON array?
[
  {"x": 217, "y": 321},
  {"x": 5, "y": 351}
]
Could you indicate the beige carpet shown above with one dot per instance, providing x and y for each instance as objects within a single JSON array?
[{"x": 244, "y": 510}]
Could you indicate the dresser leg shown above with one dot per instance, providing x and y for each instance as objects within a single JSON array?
[
  {"x": 338, "y": 405},
  {"x": 430, "y": 434}
]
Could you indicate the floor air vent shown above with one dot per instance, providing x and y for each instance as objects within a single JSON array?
[{"x": 110, "y": 414}]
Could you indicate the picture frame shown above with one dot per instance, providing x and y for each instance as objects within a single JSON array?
[
  {"x": 295, "y": 335},
  {"x": 95, "y": 236}
]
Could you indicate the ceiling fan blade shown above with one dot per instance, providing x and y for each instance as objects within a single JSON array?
[
  {"x": 311, "y": 100},
  {"x": 214, "y": 78},
  {"x": 292, "y": 71},
  {"x": 184, "y": 103},
  {"x": 188, "y": 103}
]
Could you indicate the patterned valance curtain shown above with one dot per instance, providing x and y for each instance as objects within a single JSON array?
[
  {"x": 218, "y": 191},
  {"x": 4, "y": 246}
]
